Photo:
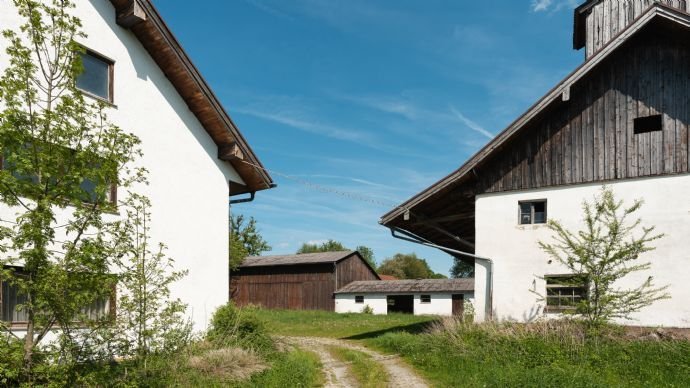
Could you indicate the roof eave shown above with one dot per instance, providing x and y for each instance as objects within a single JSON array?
[{"x": 132, "y": 14}]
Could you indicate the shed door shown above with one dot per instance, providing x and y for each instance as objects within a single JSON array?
[{"x": 458, "y": 304}]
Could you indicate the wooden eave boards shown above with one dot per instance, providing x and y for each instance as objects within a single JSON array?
[{"x": 141, "y": 17}]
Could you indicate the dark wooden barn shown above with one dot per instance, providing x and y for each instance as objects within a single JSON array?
[{"x": 297, "y": 282}]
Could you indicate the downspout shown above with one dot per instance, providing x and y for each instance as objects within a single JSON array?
[
  {"x": 408, "y": 236},
  {"x": 243, "y": 200}
]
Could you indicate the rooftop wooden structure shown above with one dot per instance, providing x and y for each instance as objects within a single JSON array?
[
  {"x": 409, "y": 286},
  {"x": 582, "y": 131},
  {"x": 297, "y": 282}
]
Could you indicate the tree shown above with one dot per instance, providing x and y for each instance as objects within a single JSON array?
[
  {"x": 60, "y": 155},
  {"x": 328, "y": 246},
  {"x": 367, "y": 254},
  {"x": 408, "y": 266},
  {"x": 602, "y": 254},
  {"x": 245, "y": 240},
  {"x": 462, "y": 269},
  {"x": 148, "y": 319},
  {"x": 336, "y": 246}
]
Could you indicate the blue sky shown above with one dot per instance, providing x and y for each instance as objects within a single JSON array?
[{"x": 375, "y": 98}]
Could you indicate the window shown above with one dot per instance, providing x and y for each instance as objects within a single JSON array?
[
  {"x": 97, "y": 76},
  {"x": 425, "y": 298},
  {"x": 564, "y": 292},
  {"x": 11, "y": 298},
  {"x": 359, "y": 299},
  {"x": 648, "y": 124},
  {"x": 532, "y": 212}
]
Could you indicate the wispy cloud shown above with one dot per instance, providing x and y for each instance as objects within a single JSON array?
[
  {"x": 262, "y": 6},
  {"x": 471, "y": 124},
  {"x": 541, "y": 5},
  {"x": 550, "y": 5}
]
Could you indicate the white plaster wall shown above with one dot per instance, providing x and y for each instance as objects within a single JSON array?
[
  {"x": 441, "y": 304},
  {"x": 345, "y": 303},
  {"x": 519, "y": 261},
  {"x": 188, "y": 184}
]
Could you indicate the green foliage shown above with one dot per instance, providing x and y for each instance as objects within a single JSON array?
[
  {"x": 148, "y": 319},
  {"x": 462, "y": 269},
  {"x": 239, "y": 326},
  {"x": 539, "y": 356},
  {"x": 605, "y": 252},
  {"x": 245, "y": 240},
  {"x": 369, "y": 373},
  {"x": 408, "y": 266},
  {"x": 328, "y": 246},
  {"x": 11, "y": 356},
  {"x": 297, "y": 368},
  {"x": 60, "y": 155},
  {"x": 336, "y": 246},
  {"x": 367, "y": 310}
]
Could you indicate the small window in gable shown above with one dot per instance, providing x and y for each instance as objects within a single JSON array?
[
  {"x": 425, "y": 298},
  {"x": 359, "y": 299},
  {"x": 96, "y": 78},
  {"x": 532, "y": 212},
  {"x": 648, "y": 124}
]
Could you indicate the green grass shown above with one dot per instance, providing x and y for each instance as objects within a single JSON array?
[
  {"x": 334, "y": 325},
  {"x": 484, "y": 358},
  {"x": 297, "y": 368},
  {"x": 369, "y": 373}
]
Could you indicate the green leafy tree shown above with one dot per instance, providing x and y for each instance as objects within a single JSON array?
[
  {"x": 245, "y": 240},
  {"x": 61, "y": 155},
  {"x": 408, "y": 266},
  {"x": 462, "y": 269},
  {"x": 149, "y": 320},
  {"x": 336, "y": 246},
  {"x": 607, "y": 250}
]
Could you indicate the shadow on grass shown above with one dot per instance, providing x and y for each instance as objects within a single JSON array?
[{"x": 412, "y": 329}]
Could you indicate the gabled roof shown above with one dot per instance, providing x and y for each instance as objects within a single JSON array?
[
  {"x": 404, "y": 286},
  {"x": 558, "y": 93},
  {"x": 298, "y": 259},
  {"x": 142, "y": 18}
]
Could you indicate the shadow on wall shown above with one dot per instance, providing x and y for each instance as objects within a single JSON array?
[{"x": 412, "y": 329}]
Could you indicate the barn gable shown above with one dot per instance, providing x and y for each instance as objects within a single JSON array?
[{"x": 582, "y": 131}]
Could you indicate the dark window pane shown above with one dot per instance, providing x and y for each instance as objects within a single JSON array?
[
  {"x": 525, "y": 213},
  {"x": 11, "y": 298},
  {"x": 95, "y": 78},
  {"x": 359, "y": 299},
  {"x": 426, "y": 298},
  {"x": 539, "y": 212}
]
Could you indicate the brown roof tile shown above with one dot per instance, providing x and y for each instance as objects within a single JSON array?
[
  {"x": 304, "y": 258},
  {"x": 400, "y": 286}
]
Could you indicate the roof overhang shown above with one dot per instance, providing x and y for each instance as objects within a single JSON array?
[
  {"x": 142, "y": 18},
  {"x": 404, "y": 214}
]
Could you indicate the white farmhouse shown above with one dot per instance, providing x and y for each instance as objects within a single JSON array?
[
  {"x": 620, "y": 119},
  {"x": 419, "y": 297},
  {"x": 195, "y": 154}
]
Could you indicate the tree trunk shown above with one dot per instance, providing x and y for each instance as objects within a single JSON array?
[{"x": 29, "y": 346}]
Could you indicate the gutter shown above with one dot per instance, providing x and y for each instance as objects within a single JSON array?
[{"x": 413, "y": 238}]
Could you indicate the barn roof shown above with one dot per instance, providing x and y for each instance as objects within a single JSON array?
[
  {"x": 424, "y": 213},
  {"x": 144, "y": 21},
  {"x": 398, "y": 286},
  {"x": 298, "y": 259}
]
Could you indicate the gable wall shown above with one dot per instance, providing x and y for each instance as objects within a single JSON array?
[
  {"x": 590, "y": 138},
  {"x": 188, "y": 184},
  {"x": 352, "y": 269}
]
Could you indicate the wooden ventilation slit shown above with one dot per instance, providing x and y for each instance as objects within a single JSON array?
[{"x": 648, "y": 124}]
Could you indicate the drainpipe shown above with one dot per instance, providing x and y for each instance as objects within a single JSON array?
[
  {"x": 243, "y": 200},
  {"x": 411, "y": 237}
]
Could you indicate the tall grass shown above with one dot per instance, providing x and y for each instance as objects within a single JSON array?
[{"x": 554, "y": 354}]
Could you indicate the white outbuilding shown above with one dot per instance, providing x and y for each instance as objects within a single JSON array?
[{"x": 418, "y": 297}]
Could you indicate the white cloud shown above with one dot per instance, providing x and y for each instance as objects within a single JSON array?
[
  {"x": 549, "y": 5},
  {"x": 541, "y": 5},
  {"x": 471, "y": 124}
]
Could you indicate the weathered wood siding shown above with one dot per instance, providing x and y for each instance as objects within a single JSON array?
[
  {"x": 304, "y": 287},
  {"x": 352, "y": 269},
  {"x": 609, "y": 17},
  {"x": 590, "y": 138}
]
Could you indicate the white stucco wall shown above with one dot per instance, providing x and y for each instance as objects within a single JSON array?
[
  {"x": 345, "y": 303},
  {"x": 441, "y": 304},
  {"x": 518, "y": 261},
  {"x": 188, "y": 184}
]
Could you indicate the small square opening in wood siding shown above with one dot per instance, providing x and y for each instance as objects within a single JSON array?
[{"x": 648, "y": 124}]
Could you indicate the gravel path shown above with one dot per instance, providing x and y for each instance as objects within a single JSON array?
[{"x": 337, "y": 373}]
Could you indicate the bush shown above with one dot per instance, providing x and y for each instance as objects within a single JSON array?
[
  {"x": 367, "y": 310},
  {"x": 239, "y": 326},
  {"x": 11, "y": 354}
]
